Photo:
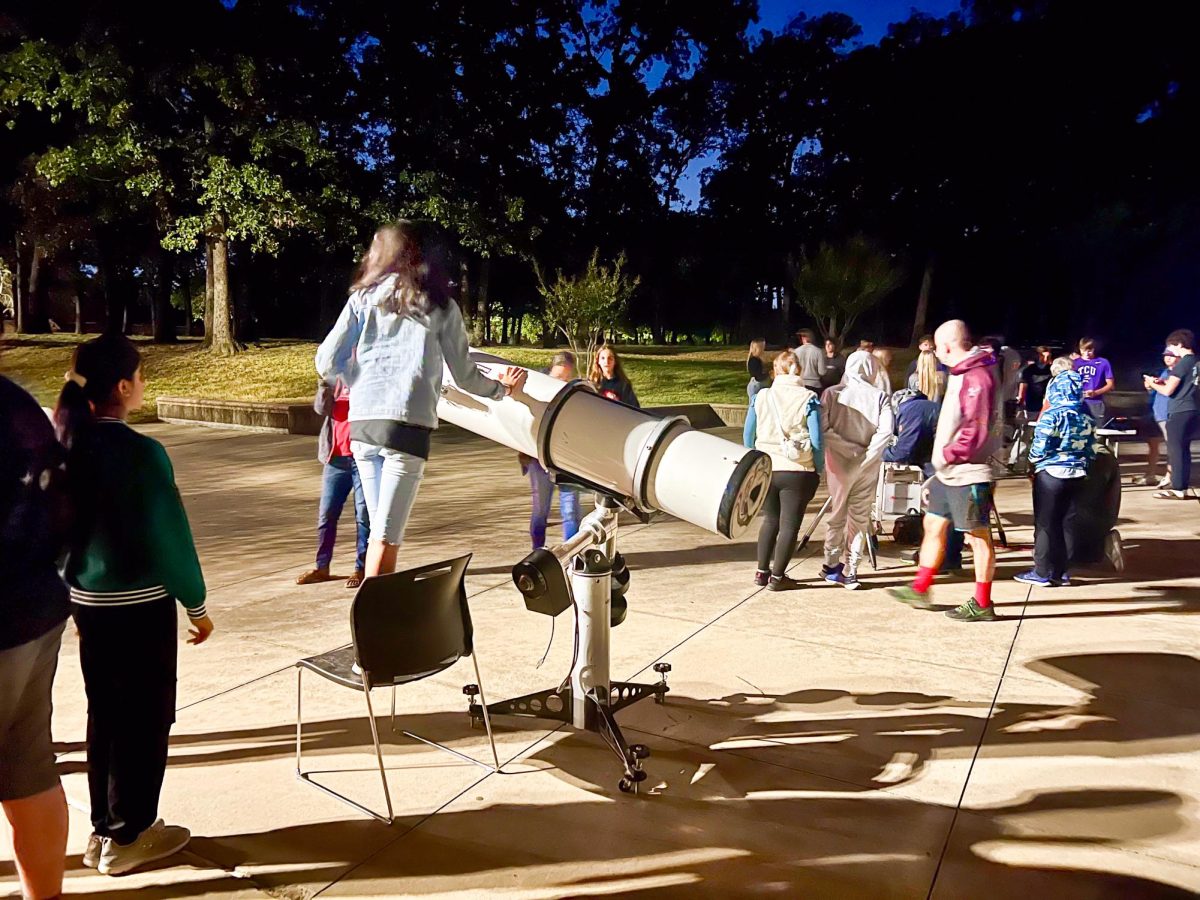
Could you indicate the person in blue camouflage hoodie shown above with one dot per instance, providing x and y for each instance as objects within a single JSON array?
[{"x": 1062, "y": 449}]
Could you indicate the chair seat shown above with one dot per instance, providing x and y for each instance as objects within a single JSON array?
[{"x": 337, "y": 665}]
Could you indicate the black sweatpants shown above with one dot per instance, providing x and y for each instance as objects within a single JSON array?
[
  {"x": 1053, "y": 499},
  {"x": 1182, "y": 429},
  {"x": 128, "y": 655},
  {"x": 789, "y": 494}
]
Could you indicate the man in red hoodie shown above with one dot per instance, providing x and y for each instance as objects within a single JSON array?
[{"x": 960, "y": 492}]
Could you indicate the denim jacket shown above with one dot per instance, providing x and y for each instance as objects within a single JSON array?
[
  {"x": 393, "y": 363},
  {"x": 1064, "y": 433}
]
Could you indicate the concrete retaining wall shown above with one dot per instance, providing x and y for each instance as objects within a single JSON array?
[{"x": 298, "y": 417}]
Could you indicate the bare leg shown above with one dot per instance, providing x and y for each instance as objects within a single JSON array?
[
  {"x": 39, "y": 829},
  {"x": 381, "y": 558},
  {"x": 1153, "y": 450},
  {"x": 985, "y": 554},
  {"x": 933, "y": 542}
]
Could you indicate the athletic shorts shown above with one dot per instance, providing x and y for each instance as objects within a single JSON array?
[
  {"x": 26, "y": 678},
  {"x": 968, "y": 506}
]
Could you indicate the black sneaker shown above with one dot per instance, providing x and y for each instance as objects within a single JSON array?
[
  {"x": 782, "y": 583},
  {"x": 972, "y": 612},
  {"x": 761, "y": 577}
]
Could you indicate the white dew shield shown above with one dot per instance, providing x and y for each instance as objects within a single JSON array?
[{"x": 657, "y": 463}]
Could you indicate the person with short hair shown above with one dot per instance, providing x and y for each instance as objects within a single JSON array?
[
  {"x": 1159, "y": 410},
  {"x": 835, "y": 364},
  {"x": 1183, "y": 411},
  {"x": 789, "y": 431},
  {"x": 562, "y": 367},
  {"x": 1097, "y": 375},
  {"x": 33, "y": 611},
  {"x": 1031, "y": 390},
  {"x": 959, "y": 495},
  {"x": 757, "y": 370},
  {"x": 810, "y": 359},
  {"x": 131, "y": 560}
]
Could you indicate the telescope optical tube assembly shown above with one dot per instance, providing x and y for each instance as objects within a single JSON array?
[{"x": 652, "y": 462}]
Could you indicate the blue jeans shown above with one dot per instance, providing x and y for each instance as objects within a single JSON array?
[
  {"x": 748, "y": 432},
  {"x": 338, "y": 480},
  {"x": 543, "y": 494},
  {"x": 390, "y": 479}
]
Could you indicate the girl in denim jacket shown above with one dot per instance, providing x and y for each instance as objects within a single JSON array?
[{"x": 389, "y": 344}]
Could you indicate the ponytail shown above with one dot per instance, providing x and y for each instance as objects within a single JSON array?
[{"x": 96, "y": 369}]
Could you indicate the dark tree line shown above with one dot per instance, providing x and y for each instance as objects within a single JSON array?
[{"x": 1026, "y": 164}]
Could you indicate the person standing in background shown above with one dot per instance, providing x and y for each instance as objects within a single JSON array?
[
  {"x": 883, "y": 380},
  {"x": 810, "y": 359},
  {"x": 756, "y": 369},
  {"x": 1031, "y": 390},
  {"x": 608, "y": 375},
  {"x": 835, "y": 365},
  {"x": 1097, "y": 375},
  {"x": 1183, "y": 411},
  {"x": 338, "y": 480},
  {"x": 562, "y": 367}
]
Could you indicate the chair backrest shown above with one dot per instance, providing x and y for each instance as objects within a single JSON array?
[{"x": 412, "y": 624}]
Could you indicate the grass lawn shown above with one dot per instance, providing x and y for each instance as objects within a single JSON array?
[{"x": 283, "y": 369}]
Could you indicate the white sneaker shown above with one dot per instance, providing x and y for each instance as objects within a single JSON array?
[
  {"x": 1114, "y": 550},
  {"x": 91, "y": 856},
  {"x": 157, "y": 842}
]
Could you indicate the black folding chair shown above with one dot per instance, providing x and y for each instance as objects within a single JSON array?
[{"x": 404, "y": 627}]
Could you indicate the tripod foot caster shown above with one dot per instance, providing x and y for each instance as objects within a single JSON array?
[
  {"x": 629, "y": 785},
  {"x": 471, "y": 691},
  {"x": 639, "y": 751},
  {"x": 662, "y": 668}
]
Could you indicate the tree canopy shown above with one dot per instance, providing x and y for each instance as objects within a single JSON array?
[{"x": 1028, "y": 159}]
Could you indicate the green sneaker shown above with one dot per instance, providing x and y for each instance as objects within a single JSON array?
[
  {"x": 971, "y": 612},
  {"x": 911, "y": 596}
]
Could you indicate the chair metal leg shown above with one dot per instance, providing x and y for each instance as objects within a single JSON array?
[
  {"x": 379, "y": 755},
  {"x": 393, "y": 723},
  {"x": 487, "y": 719},
  {"x": 305, "y": 777}
]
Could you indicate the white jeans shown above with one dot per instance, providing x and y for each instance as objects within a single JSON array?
[
  {"x": 852, "y": 491},
  {"x": 390, "y": 479}
]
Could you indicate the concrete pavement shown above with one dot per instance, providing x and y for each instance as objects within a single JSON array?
[{"x": 814, "y": 743}]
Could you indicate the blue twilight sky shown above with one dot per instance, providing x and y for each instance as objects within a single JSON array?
[{"x": 873, "y": 16}]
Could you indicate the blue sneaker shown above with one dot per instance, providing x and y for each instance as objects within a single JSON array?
[
  {"x": 1064, "y": 581},
  {"x": 833, "y": 574},
  {"x": 1032, "y": 577},
  {"x": 849, "y": 582}
]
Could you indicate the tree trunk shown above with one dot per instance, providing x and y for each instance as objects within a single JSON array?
[
  {"x": 208, "y": 292},
  {"x": 919, "y": 320},
  {"x": 464, "y": 293},
  {"x": 160, "y": 304},
  {"x": 31, "y": 306},
  {"x": 224, "y": 335},
  {"x": 517, "y": 334},
  {"x": 78, "y": 311},
  {"x": 484, "y": 308},
  {"x": 504, "y": 327}
]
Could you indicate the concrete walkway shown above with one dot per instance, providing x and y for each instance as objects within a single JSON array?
[{"x": 815, "y": 743}]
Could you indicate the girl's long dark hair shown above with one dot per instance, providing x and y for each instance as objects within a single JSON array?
[
  {"x": 96, "y": 369},
  {"x": 419, "y": 257}
]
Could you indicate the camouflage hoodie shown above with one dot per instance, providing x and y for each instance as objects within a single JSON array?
[{"x": 1064, "y": 437}]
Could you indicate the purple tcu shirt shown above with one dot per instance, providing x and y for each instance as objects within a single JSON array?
[{"x": 1094, "y": 372}]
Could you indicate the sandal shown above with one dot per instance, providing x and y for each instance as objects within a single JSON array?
[
  {"x": 355, "y": 580},
  {"x": 314, "y": 576},
  {"x": 1170, "y": 495}
]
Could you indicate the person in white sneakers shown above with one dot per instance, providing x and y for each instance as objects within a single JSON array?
[
  {"x": 789, "y": 430},
  {"x": 857, "y": 424}
]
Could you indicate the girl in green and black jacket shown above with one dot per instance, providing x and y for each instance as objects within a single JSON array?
[{"x": 131, "y": 558}]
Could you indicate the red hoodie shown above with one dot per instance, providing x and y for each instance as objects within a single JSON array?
[{"x": 969, "y": 428}]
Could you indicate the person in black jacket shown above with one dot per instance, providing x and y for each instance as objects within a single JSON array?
[
  {"x": 33, "y": 612},
  {"x": 608, "y": 375}
]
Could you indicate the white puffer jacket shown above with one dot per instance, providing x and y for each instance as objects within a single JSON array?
[{"x": 795, "y": 402}]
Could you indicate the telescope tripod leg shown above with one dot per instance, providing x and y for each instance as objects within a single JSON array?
[{"x": 631, "y": 755}]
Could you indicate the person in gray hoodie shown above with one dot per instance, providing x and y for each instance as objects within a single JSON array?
[
  {"x": 810, "y": 359},
  {"x": 857, "y": 424}
]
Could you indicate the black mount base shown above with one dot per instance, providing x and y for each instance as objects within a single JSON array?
[{"x": 557, "y": 705}]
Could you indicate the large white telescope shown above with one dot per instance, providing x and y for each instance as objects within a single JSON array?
[{"x": 650, "y": 462}]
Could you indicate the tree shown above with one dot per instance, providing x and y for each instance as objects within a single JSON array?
[
  {"x": 840, "y": 282},
  {"x": 584, "y": 307}
]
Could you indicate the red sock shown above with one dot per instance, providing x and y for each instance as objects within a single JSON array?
[
  {"x": 983, "y": 594},
  {"x": 925, "y": 576}
]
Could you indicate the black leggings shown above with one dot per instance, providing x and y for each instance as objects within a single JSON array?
[
  {"x": 789, "y": 494},
  {"x": 1181, "y": 431}
]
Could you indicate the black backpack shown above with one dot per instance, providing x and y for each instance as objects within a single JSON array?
[{"x": 909, "y": 528}]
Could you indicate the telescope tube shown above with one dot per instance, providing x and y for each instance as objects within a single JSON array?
[{"x": 657, "y": 463}]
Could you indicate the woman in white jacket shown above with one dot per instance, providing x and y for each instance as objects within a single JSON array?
[
  {"x": 857, "y": 423},
  {"x": 789, "y": 429}
]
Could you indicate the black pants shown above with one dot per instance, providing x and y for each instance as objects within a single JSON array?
[
  {"x": 1181, "y": 431},
  {"x": 789, "y": 494},
  {"x": 128, "y": 655},
  {"x": 1053, "y": 499}
]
